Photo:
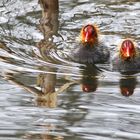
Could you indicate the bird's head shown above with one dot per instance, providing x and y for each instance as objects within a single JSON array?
[
  {"x": 127, "y": 49},
  {"x": 89, "y": 35}
]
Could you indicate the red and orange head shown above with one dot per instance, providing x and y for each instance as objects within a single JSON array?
[
  {"x": 127, "y": 49},
  {"x": 89, "y": 34},
  {"x": 127, "y": 91}
]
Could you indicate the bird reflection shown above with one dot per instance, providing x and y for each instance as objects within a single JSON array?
[
  {"x": 127, "y": 86},
  {"x": 90, "y": 80}
]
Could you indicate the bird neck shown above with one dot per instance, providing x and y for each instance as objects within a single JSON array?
[{"x": 90, "y": 44}]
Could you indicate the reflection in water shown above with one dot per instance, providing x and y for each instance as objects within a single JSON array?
[
  {"x": 89, "y": 80},
  {"x": 49, "y": 26},
  {"x": 78, "y": 115},
  {"x": 49, "y": 22},
  {"x": 4, "y": 47},
  {"x": 45, "y": 84},
  {"x": 45, "y": 136},
  {"x": 127, "y": 86}
]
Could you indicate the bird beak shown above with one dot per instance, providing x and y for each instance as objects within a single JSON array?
[
  {"x": 86, "y": 37},
  {"x": 127, "y": 52}
]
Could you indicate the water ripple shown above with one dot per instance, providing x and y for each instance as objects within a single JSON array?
[{"x": 79, "y": 103}]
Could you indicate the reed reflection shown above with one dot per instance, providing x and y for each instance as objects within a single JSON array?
[
  {"x": 48, "y": 26},
  {"x": 45, "y": 85},
  {"x": 127, "y": 85},
  {"x": 49, "y": 22}
]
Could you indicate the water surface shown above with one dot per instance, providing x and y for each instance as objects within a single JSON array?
[{"x": 44, "y": 94}]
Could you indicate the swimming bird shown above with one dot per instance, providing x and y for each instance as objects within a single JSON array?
[
  {"x": 90, "y": 50},
  {"x": 127, "y": 61}
]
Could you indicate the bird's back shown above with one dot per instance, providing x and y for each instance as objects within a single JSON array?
[
  {"x": 94, "y": 55},
  {"x": 126, "y": 66}
]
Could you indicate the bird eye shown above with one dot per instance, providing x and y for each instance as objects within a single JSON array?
[{"x": 93, "y": 32}]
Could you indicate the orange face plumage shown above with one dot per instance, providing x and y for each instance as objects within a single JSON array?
[
  {"x": 127, "y": 50},
  {"x": 89, "y": 34}
]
